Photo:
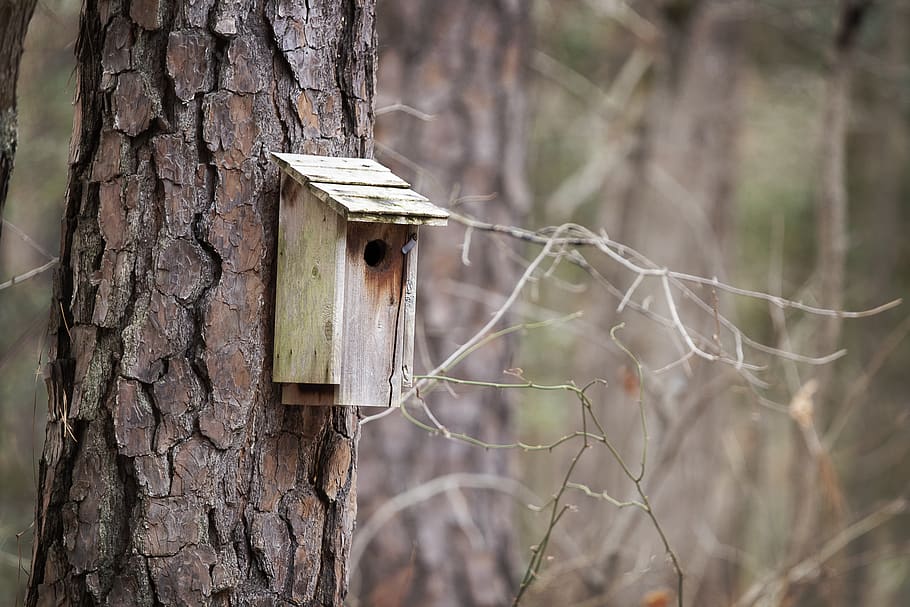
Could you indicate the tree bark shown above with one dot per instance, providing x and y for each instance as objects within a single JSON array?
[
  {"x": 14, "y": 18},
  {"x": 170, "y": 472},
  {"x": 463, "y": 63}
]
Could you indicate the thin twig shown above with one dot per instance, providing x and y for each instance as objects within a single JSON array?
[
  {"x": 644, "y": 267},
  {"x": 405, "y": 109},
  {"x": 811, "y": 565},
  {"x": 588, "y": 238},
  {"x": 28, "y": 239},
  {"x": 30, "y": 274},
  {"x": 497, "y": 316}
]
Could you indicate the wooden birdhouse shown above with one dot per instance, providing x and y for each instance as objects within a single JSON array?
[{"x": 346, "y": 280}]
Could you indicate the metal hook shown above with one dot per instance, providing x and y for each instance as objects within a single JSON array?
[{"x": 410, "y": 244}]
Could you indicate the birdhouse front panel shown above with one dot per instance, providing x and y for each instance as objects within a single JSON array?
[
  {"x": 373, "y": 313},
  {"x": 346, "y": 280}
]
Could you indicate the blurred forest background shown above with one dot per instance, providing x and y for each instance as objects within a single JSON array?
[{"x": 764, "y": 142}]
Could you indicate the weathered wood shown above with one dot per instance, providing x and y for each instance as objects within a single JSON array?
[
  {"x": 361, "y": 189},
  {"x": 353, "y": 324},
  {"x": 314, "y": 160},
  {"x": 309, "y": 295},
  {"x": 358, "y": 200},
  {"x": 309, "y": 394},
  {"x": 328, "y": 169},
  {"x": 380, "y": 196},
  {"x": 405, "y": 362},
  {"x": 318, "y": 174},
  {"x": 399, "y": 219},
  {"x": 373, "y": 310}
]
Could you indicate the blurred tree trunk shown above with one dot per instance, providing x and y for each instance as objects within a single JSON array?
[
  {"x": 817, "y": 500},
  {"x": 462, "y": 62},
  {"x": 881, "y": 153},
  {"x": 831, "y": 202},
  {"x": 680, "y": 207},
  {"x": 170, "y": 473},
  {"x": 885, "y": 149},
  {"x": 14, "y": 18},
  {"x": 677, "y": 208}
]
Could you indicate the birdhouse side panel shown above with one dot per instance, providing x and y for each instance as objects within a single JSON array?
[
  {"x": 310, "y": 289},
  {"x": 373, "y": 308},
  {"x": 404, "y": 363}
]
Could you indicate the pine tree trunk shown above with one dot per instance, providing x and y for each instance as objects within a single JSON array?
[
  {"x": 461, "y": 62},
  {"x": 170, "y": 473},
  {"x": 14, "y": 18}
]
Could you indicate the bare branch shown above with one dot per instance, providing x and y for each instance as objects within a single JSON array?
[
  {"x": 423, "y": 386},
  {"x": 405, "y": 109},
  {"x": 811, "y": 566},
  {"x": 27, "y": 239},
  {"x": 30, "y": 274}
]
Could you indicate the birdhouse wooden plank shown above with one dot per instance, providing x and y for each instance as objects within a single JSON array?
[
  {"x": 307, "y": 349},
  {"x": 380, "y": 204},
  {"x": 346, "y": 280},
  {"x": 351, "y": 171}
]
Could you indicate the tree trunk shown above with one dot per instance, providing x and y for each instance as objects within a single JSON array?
[
  {"x": 463, "y": 63},
  {"x": 14, "y": 18},
  {"x": 879, "y": 155},
  {"x": 678, "y": 210},
  {"x": 817, "y": 502},
  {"x": 170, "y": 473}
]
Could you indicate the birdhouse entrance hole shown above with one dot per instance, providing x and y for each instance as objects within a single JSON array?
[{"x": 375, "y": 252}]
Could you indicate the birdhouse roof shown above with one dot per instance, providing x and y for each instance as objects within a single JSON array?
[{"x": 361, "y": 190}]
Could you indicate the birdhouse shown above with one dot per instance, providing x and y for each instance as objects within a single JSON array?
[{"x": 346, "y": 280}]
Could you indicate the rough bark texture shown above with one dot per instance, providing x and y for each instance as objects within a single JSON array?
[
  {"x": 14, "y": 18},
  {"x": 462, "y": 62},
  {"x": 170, "y": 474}
]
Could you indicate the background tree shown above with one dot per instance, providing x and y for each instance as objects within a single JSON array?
[
  {"x": 661, "y": 172},
  {"x": 14, "y": 18},
  {"x": 170, "y": 472},
  {"x": 639, "y": 155},
  {"x": 461, "y": 64},
  {"x": 678, "y": 206}
]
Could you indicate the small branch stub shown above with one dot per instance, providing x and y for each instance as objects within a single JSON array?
[{"x": 346, "y": 280}]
